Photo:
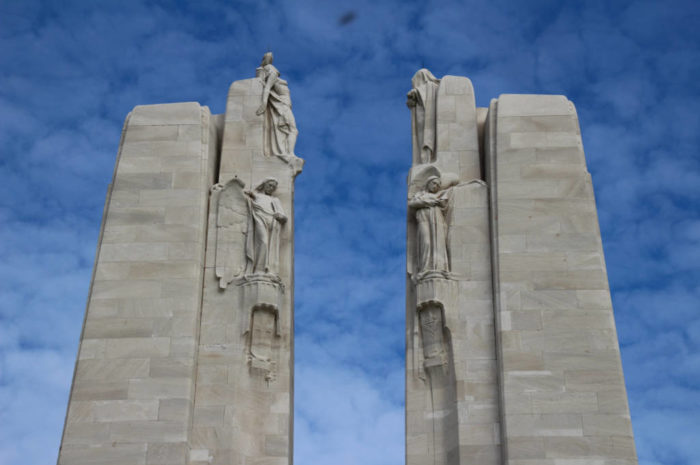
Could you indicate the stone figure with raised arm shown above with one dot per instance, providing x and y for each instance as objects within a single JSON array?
[
  {"x": 279, "y": 128},
  {"x": 422, "y": 100},
  {"x": 431, "y": 232},
  {"x": 266, "y": 218}
]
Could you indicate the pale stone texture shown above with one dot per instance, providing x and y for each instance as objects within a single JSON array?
[
  {"x": 243, "y": 407},
  {"x": 562, "y": 388},
  {"x": 511, "y": 351},
  {"x": 175, "y": 365},
  {"x": 452, "y": 408},
  {"x": 133, "y": 388}
]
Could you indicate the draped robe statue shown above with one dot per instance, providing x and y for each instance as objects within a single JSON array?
[
  {"x": 279, "y": 127},
  {"x": 422, "y": 100},
  {"x": 265, "y": 221},
  {"x": 431, "y": 233}
]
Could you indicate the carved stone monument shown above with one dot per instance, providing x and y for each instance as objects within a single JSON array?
[
  {"x": 511, "y": 350},
  {"x": 186, "y": 355},
  {"x": 186, "y": 352}
]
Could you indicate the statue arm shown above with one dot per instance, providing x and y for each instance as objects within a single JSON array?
[
  {"x": 279, "y": 211},
  {"x": 417, "y": 201}
]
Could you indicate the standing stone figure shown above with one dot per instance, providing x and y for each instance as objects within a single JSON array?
[
  {"x": 431, "y": 234},
  {"x": 264, "y": 226},
  {"x": 422, "y": 100},
  {"x": 279, "y": 129}
]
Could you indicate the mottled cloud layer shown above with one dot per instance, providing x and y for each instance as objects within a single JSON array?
[{"x": 70, "y": 72}]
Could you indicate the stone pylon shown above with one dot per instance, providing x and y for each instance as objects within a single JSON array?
[
  {"x": 186, "y": 351},
  {"x": 511, "y": 349}
]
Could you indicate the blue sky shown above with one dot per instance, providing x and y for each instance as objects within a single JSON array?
[{"x": 70, "y": 71}]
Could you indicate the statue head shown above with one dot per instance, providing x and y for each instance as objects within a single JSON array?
[
  {"x": 433, "y": 184},
  {"x": 267, "y": 185},
  {"x": 423, "y": 76},
  {"x": 267, "y": 59}
]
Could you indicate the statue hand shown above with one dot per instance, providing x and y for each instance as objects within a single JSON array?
[
  {"x": 411, "y": 99},
  {"x": 280, "y": 217},
  {"x": 261, "y": 109},
  {"x": 216, "y": 187}
]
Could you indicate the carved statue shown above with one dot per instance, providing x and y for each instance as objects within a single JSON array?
[
  {"x": 422, "y": 100},
  {"x": 279, "y": 128},
  {"x": 248, "y": 230},
  {"x": 431, "y": 232},
  {"x": 263, "y": 237}
]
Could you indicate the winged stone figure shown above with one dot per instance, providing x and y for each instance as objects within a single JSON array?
[{"x": 231, "y": 229}]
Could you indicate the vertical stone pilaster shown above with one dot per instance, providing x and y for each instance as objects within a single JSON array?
[
  {"x": 244, "y": 399},
  {"x": 452, "y": 399}
]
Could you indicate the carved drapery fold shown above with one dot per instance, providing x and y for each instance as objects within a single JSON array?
[
  {"x": 422, "y": 100},
  {"x": 279, "y": 127}
]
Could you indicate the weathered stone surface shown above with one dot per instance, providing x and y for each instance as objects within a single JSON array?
[
  {"x": 133, "y": 391},
  {"x": 243, "y": 401},
  {"x": 451, "y": 386},
  {"x": 559, "y": 358},
  {"x": 523, "y": 288}
]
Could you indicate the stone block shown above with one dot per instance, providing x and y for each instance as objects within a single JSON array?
[
  {"x": 544, "y": 425},
  {"x": 534, "y": 105},
  {"x": 150, "y": 132},
  {"x": 108, "y": 411},
  {"x": 533, "y": 381},
  {"x": 160, "y": 388},
  {"x": 81, "y": 412},
  {"x": 538, "y": 123},
  {"x": 607, "y": 425},
  {"x": 171, "y": 367},
  {"x": 103, "y": 454},
  {"x": 599, "y": 360},
  {"x": 166, "y": 114},
  {"x": 134, "y": 288},
  {"x": 167, "y": 453},
  {"x": 209, "y": 416},
  {"x": 108, "y": 328},
  {"x": 88, "y": 434},
  {"x": 577, "y": 320},
  {"x": 130, "y": 253},
  {"x": 112, "y": 369},
  {"x": 277, "y": 445},
  {"x": 593, "y": 379},
  {"x": 92, "y": 349},
  {"x": 148, "y": 431},
  {"x": 177, "y": 410},
  {"x": 134, "y": 216},
  {"x": 137, "y": 347},
  {"x": 100, "y": 390},
  {"x": 564, "y": 402}
]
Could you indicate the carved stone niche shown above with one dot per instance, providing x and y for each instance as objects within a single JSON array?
[
  {"x": 433, "y": 294},
  {"x": 262, "y": 299}
]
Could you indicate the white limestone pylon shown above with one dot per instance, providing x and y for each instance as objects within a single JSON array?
[
  {"x": 511, "y": 353},
  {"x": 186, "y": 352}
]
